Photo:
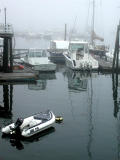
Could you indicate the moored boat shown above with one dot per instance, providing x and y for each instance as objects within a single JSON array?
[
  {"x": 31, "y": 125},
  {"x": 57, "y": 47},
  {"x": 39, "y": 61},
  {"x": 78, "y": 57}
]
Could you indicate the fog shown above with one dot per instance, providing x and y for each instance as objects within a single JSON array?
[{"x": 41, "y": 15}]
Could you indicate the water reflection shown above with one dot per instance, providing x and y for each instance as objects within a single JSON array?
[
  {"x": 6, "y": 107},
  {"x": 115, "y": 94},
  {"x": 116, "y": 99},
  {"x": 19, "y": 143},
  {"x": 90, "y": 119},
  {"x": 118, "y": 139},
  {"x": 41, "y": 83},
  {"x": 77, "y": 81},
  {"x": 83, "y": 82}
]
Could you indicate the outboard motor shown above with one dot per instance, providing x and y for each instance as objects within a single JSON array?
[
  {"x": 16, "y": 132},
  {"x": 19, "y": 122},
  {"x": 17, "y": 126}
]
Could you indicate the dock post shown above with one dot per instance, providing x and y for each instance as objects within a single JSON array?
[
  {"x": 115, "y": 64},
  {"x": 5, "y": 55},
  {"x": 6, "y": 33},
  {"x": 11, "y": 56}
]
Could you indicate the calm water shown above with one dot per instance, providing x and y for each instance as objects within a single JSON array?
[{"x": 88, "y": 104}]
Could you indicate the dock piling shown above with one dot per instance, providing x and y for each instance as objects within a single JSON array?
[
  {"x": 115, "y": 64},
  {"x": 6, "y": 32}
]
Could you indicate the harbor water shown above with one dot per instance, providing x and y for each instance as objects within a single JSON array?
[{"x": 89, "y": 105}]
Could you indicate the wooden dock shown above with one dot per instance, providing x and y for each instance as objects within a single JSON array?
[
  {"x": 17, "y": 77},
  {"x": 26, "y": 75}
]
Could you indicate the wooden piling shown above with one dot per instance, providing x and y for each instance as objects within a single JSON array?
[
  {"x": 6, "y": 32},
  {"x": 115, "y": 65},
  {"x": 11, "y": 55},
  {"x": 5, "y": 55}
]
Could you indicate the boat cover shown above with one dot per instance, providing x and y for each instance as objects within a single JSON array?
[{"x": 43, "y": 116}]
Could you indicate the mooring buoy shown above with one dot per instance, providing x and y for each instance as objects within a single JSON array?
[{"x": 59, "y": 119}]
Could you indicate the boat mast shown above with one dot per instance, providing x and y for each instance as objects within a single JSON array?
[
  {"x": 65, "y": 34},
  {"x": 93, "y": 21},
  {"x": 5, "y": 17}
]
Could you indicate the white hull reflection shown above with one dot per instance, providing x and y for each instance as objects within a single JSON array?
[
  {"x": 78, "y": 81},
  {"x": 41, "y": 83}
]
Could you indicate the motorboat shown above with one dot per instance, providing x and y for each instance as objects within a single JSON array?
[
  {"x": 38, "y": 59},
  {"x": 78, "y": 57},
  {"x": 57, "y": 47},
  {"x": 32, "y": 125}
]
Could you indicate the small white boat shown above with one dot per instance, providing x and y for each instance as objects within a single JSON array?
[
  {"x": 78, "y": 57},
  {"x": 38, "y": 59},
  {"x": 32, "y": 125}
]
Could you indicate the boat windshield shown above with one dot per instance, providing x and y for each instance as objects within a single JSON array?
[{"x": 38, "y": 54}]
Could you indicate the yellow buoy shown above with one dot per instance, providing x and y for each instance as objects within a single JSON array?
[{"x": 59, "y": 119}]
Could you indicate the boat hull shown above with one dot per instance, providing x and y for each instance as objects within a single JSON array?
[
  {"x": 45, "y": 67},
  {"x": 81, "y": 65},
  {"x": 57, "y": 57},
  {"x": 31, "y": 125}
]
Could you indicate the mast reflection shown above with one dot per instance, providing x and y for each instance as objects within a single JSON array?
[
  {"x": 90, "y": 113},
  {"x": 82, "y": 82}
]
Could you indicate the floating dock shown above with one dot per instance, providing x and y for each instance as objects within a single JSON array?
[
  {"x": 8, "y": 72},
  {"x": 17, "y": 77}
]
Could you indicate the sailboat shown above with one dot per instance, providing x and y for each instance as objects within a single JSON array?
[{"x": 93, "y": 48}]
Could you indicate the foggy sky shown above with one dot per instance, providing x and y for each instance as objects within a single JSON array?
[{"x": 40, "y": 15}]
